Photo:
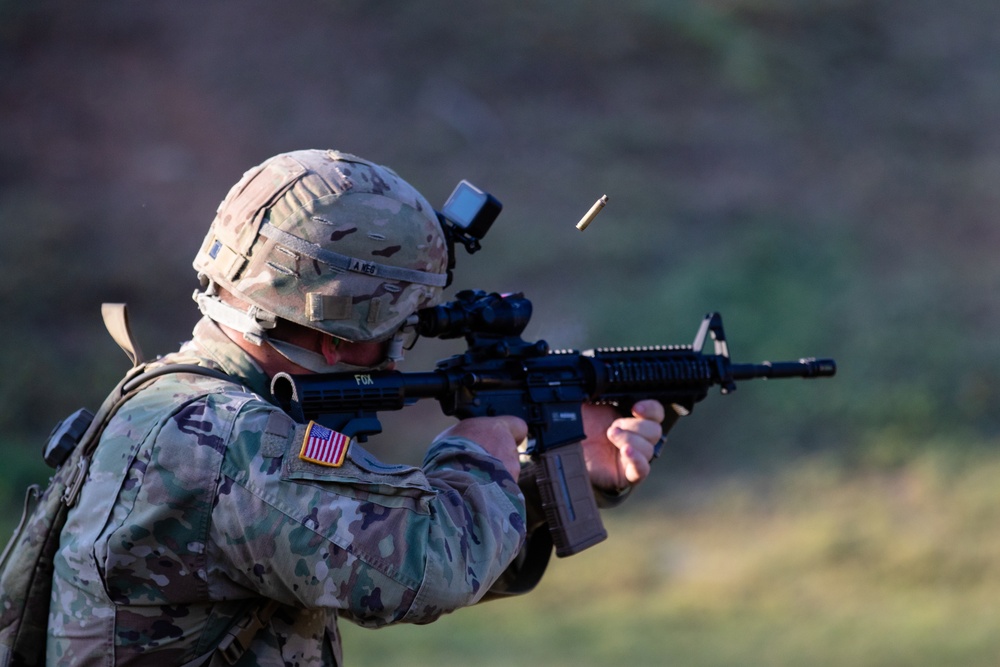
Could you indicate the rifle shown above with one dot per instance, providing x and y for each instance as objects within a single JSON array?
[{"x": 502, "y": 374}]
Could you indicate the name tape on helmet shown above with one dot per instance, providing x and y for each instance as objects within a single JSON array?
[{"x": 354, "y": 264}]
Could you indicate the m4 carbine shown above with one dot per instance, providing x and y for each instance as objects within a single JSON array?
[{"x": 502, "y": 374}]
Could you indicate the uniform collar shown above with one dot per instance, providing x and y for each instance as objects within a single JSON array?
[{"x": 209, "y": 341}]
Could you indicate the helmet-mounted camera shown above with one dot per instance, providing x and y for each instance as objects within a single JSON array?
[{"x": 466, "y": 217}]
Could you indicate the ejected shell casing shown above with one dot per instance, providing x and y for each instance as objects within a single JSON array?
[{"x": 592, "y": 213}]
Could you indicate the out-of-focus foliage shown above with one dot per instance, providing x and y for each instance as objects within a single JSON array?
[{"x": 822, "y": 172}]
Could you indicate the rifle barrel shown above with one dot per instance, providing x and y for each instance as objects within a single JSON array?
[{"x": 803, "y": 368}]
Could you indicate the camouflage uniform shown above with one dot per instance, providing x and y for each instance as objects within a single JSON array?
[{"x": 198, "y": 506}]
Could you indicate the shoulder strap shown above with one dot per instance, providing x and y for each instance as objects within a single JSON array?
[
  {"x": 129, "y": 385},
  {"x": 116, "y": 320}
]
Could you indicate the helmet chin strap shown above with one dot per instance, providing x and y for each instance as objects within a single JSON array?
[
  {"x": 255, "y": 322},
  {"x": 316, "y": 362},
  {"x": 319, "y": 363}
]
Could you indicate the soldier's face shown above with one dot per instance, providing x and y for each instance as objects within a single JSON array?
[{"x": 356, "y": 354}]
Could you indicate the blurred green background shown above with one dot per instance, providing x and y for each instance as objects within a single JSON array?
[{"x": 825, "y": 173}]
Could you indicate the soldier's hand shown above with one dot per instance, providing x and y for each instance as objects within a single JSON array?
[
  {"x": 618, "y": 449},
  {"x": 499, "y": 436}
]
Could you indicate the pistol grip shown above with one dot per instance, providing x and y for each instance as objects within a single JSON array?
[{"x": 568, "y": 500}]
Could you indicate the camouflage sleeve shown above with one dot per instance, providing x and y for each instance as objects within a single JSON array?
[{"x": 379, "y": 543}]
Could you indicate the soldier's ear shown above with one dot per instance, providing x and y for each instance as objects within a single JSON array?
[{"x": 329, "y": 347}]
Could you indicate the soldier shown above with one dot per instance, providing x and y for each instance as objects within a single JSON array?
[{"x": 204, "y": 521}]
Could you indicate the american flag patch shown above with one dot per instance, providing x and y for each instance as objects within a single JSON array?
[{"x": 324, "y": 446}]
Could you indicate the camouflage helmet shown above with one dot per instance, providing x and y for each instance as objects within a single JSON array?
[{"x": 326, "y": 240}]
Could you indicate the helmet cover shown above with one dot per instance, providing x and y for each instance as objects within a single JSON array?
[{"x": 329, "y": 241}]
